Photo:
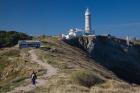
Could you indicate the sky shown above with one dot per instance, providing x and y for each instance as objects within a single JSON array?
[{"x": 54, "y": 17}]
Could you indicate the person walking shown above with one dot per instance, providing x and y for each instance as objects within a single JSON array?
[{"x": 33, "y": 78}]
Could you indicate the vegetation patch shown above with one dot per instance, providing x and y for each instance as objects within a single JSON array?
[
  {"x": 10, "y": 38},
  {"x": 11, "y": 53},
  {"x": 107, "y": 84},
  {"x": 19, "y": 79},
  {"x": 86, "y": 78},
  {"x": 3, "y": 63}
]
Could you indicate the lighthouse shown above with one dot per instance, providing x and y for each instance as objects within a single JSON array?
[{"x": 87, "y": 22}]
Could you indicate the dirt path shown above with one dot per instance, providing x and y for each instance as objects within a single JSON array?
[{"x": 41, "y": 81}]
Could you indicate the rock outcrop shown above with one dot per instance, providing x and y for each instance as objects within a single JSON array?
[{"x": 112, "y": 53}]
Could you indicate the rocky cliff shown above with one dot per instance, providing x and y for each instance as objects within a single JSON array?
[{"x": 112, "y": 53}]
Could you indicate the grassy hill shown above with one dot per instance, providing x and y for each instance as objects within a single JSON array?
[{"x": 78, "y": 72}]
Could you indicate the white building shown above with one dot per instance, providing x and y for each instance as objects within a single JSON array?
[
  {"x": 77, "y": 32},
  {"x": 73, "y": 33},
  {"x": 127, "y": 40},
  {"x": 88, "y": 21}
]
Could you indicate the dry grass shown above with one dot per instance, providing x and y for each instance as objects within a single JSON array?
[
  {"x": 86, "y": 78},
  {"x": 113, "y": 86},
  {"x": 137, "y": 42},
  {"x": 14, "y": 69},
  {"x": 77, "y": 73}
]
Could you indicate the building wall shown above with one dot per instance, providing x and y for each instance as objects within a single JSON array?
[
  {"x": 87, "y": 23},
  {"x": 29, "y": 44}
]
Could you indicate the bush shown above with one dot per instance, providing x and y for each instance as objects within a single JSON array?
[
  {"x": 86, "y": 78},
  {"x": 10, "y": 38}
]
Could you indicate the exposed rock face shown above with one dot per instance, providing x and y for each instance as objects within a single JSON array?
[{"x": 114, "y": 54}]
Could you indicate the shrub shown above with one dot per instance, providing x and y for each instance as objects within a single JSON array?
[
  {"x": 86, "y": 78},
  {"x": 10, "y": 38}
]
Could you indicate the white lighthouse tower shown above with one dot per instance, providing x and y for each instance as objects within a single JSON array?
[{"x": 87, "y": 22}]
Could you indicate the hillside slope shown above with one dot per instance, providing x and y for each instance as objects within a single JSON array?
[
  {"x": 114, "y": 54},
  {"x": 16, "y": 68},
  {"x": 77, "y": 70}
]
